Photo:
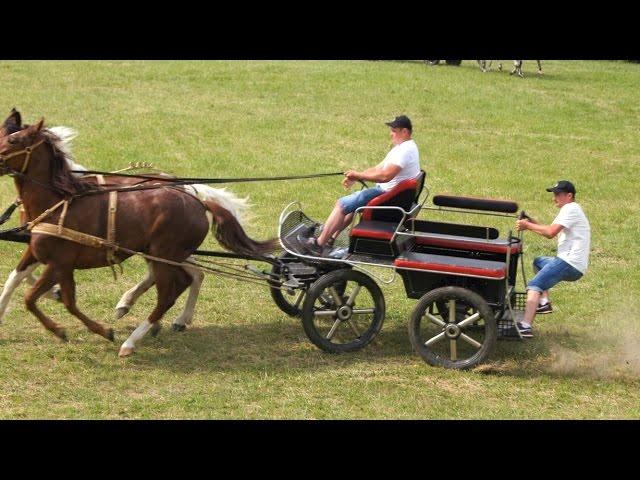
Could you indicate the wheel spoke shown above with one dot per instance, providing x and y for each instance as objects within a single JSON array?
[
  {"x": 470, "y": 340},
  {"x": 354, "y": 294},
  {"x": 363, "y": 310},
  {"x": 325, "y": 313},
  {"x": 433, "y": 340},
  {"x": 469, "y": 320},
  {"x": 353, "y": 327},
  {"x": 453, "y": 345},
  {"x": 452, "y": 311},
  {"x": 299, "y": 299},
  {"x": 334, "y": 327},
  {"x": 435, "y": 320},
  {"x": 336, "y": 298}
]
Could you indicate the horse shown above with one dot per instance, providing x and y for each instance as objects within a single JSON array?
[
  {"x": 517, "y": 67},
  {"x": 237, "y": 206},
  {"x": 166, "y": 224}
]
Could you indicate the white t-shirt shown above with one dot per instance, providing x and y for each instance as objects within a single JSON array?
[
  {"x": 406, "y": 156},
  {"x": 574, "y": 240}
]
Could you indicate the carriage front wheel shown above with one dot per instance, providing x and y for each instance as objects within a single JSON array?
[
  {"x": 343, "y": 311},
  {"x": 452, "y": 327}
]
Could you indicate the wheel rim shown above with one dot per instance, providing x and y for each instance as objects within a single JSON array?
[
  {"x": 347, "y": 318},
  {"x": 452, "y": 329}
]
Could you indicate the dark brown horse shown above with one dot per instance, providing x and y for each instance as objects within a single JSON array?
[
  {"x": 166, "y": 223},
  {"x": 27, "y": 265}
]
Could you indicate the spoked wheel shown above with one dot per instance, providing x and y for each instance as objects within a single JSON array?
[
  {"x": 452, "y": 327},
  {"x": 343, "y": 311},
  {"x": 289, "y": 301}
]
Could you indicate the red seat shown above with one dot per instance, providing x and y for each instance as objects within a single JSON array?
[
  {"x": 403, "y": 195},
  {"x": 462, "y": 243},
  {"x": 373, "y": 229},
  {"x": 452, "y": 265}
]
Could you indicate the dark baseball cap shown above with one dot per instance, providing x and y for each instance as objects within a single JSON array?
[
  {"x": 563, "y": 186},
  {"x": 400, "y": 122}
]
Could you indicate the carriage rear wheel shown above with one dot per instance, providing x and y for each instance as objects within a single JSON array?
[
  {"x": 452, "y": 327},
  {"x": 343, "y": 311}
]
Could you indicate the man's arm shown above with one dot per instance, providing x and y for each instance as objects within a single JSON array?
[
  {"x": 375, "y": 174},
  {"x": 548, "y": 231}
]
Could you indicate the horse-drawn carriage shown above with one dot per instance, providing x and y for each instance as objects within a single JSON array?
[{"x": 464, "y": 276}]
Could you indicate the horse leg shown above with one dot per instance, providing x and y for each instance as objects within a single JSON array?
[
  {"x": 539, "y": 67},
  {"x": 171, "y": 281},
  {"x": 131, "y": 296},
  {"x": 43, "y": 284},
  {"x": 189, "y": 308},
  {"x": 68, "y": 292},
  {"x": 53, "y": 294},
  {"x": 26, "y": 266}
]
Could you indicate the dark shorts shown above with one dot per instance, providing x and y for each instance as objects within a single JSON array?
[
  {"x": 359, "y": 199},
  {"x": 550, "y": 271}
]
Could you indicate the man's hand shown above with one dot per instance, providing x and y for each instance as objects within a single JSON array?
[
  {"x": 352, "y": 175},
  {"x": 522, "y": 224},
  {"x": 347, "y": 183}
]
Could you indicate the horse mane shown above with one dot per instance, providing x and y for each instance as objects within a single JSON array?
[{"x": 61, "y": 176}]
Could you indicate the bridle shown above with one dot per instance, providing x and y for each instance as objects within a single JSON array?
[{"x": 25, "y": 164}]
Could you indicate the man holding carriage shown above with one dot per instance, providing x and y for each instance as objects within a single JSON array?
[
  {"x": 401, "y": 163},
  {"x": 574, "y": 237}
]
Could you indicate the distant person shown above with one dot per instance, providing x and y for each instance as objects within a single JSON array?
[
  {"x": 401, "y": 163},
  {"x": 574, "y": 239}
]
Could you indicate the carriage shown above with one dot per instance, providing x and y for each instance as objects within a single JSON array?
[{"x": 463, "y": 276}]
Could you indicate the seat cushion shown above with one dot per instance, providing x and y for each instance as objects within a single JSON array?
[
  {"x": 402, "y": 195},
  {"x": 374, "y": 229},
  {"x": 467, "y": 243},
  {"x": 452, "y": 265}
]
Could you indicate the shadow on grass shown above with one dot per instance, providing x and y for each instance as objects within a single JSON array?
[{"x": 282, "y": 346}]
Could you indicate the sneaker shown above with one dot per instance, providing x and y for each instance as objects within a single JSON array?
[
  {"x": 526, "y": 332},
  {"x": 547, "y": 308},
  {"x": 310, "y": 245}
]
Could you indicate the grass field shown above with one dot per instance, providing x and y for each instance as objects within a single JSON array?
[{"x": 479, "y": 134}]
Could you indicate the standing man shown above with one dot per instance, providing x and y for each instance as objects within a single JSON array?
[
  {"x": 574, "y": 239},
  {"x": 401, "y": 163}
]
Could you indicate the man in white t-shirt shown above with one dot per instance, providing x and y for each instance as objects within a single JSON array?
[
  {"x": 401, "y": 163},
  {"x": 574, "y": 241}
]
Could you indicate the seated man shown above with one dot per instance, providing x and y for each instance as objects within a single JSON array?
[
  {"x": 401, "y": 163},
  {"x": 574, "y": 238}
]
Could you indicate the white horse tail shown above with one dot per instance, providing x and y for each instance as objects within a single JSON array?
[{"x": 238, "y": 207}]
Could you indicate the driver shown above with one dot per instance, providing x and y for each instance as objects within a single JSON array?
[{"x": 401, "y": 163}]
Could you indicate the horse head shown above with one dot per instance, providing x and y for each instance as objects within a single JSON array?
[{"x": 16, "y": 149}]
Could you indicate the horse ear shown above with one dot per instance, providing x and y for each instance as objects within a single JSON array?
[
  {"x": 14, "y": 119},
  {"x": 33, "y": 129},
  {"x": 38, "y": 126}
]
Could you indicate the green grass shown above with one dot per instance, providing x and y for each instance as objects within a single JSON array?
[{"x": 479, "y": 134}]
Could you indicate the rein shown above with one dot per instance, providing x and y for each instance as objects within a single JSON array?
[{"x": 176, "y": 182}]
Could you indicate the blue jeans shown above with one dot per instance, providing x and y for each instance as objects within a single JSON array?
[
  {"x": 359, "y": 199},
  {"x": 550, "y": 271}
]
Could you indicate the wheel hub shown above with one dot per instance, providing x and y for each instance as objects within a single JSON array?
[
  {"x": 451, "y": 330},
  {"x": 344, "y": 313}
]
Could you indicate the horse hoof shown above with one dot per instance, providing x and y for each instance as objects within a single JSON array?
[
  {"x": 178, "y": 327},
  {"x": 155, "y": 329},
  {"x": 56, "y": 293},
  {"x": 125, "y": 351},
  {"x": 110, "y": 335},
  {"x": 121, "y": 312}
]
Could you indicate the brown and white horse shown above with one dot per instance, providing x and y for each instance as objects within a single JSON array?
[
  {"x": 236, "y": 205},
  {"x": 166, "y": 223}
]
